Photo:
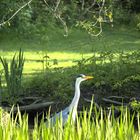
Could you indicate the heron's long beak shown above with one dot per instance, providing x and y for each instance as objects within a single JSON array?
[{"x": 88, "y": 77}]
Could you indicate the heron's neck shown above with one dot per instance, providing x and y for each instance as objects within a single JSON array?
[{"x": 75, "y": 100}]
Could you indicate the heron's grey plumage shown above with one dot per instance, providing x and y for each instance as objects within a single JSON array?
[
  {"x": 72, "y": 108},
  {"x": 64, "y": 114}
]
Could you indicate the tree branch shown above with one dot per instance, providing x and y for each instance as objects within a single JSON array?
[
  {"x": 87, "y": 9},
  {"x": 83, "y": 4},
  {"x": 57, "y": 14},
  {"x": 57, "y": 5},
  {"x": 99, "y": 19},
  {"x": 113, "y": 102},
  {"x": 29, "y": 108},
  {"x": 6, "y": 21}
]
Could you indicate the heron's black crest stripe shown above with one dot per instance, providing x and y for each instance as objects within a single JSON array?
[{"x": 81, "y": 75}]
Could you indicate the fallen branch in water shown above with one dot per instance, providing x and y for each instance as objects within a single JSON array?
[
  {"x": 114, "y": 102},
  {"x": 29, "y": 108}
]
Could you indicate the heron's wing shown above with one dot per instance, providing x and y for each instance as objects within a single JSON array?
[{"x": 64, "y": 114}]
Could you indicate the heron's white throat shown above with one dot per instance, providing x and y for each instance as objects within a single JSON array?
[{"x": 74, "y": 103}]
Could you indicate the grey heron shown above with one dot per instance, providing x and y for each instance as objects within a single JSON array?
[{"x": 72, "y": 108}]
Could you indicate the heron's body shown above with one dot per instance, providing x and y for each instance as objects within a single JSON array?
[
  {"x": 72, "y": 108},
  {"x": 64, "y": 114}
]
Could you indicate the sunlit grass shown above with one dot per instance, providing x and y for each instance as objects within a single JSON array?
[
  {"x": 66, "y": 51},
  {"x": 33, "y": 60},
  {"x": 97, "y": 127}
]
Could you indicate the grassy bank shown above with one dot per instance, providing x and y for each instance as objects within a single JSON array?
[
  {"x": 66, "y": 51},
  {"x": 113, "y": 58}
]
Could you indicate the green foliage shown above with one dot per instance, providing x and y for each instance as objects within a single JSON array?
[
  {"x": 97, "y": 127},
  {"x": 88, "y": 26},
  {"x": 129, "y": 5},
  {"x": 25, "y": 26},
  {"x": 115, "y": 73},
  {"x": 135, "y": 106},
  {"x": 129, "y": 85},
  {"x": 136, "y": 20},
  {"x": 126, "y": 12},
  {"x": 122, "y": 16},
  {"x": 34, "y": 20},
  {"x": 13, "y": 75},
  {"x": 54, "y": 85}
]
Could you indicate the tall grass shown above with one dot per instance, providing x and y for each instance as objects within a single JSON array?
[
  {"x": 87, "y": 127},
  {"x": 13, "y": 75}
]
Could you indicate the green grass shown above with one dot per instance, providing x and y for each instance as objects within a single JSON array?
[
  {"x": 116, "y": 71},
  {"x": 76, "y": 46},
  {"x": 88, "y": 127}
]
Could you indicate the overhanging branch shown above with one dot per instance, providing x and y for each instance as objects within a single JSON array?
[
  {"x": 9, "y": 19},
  {"x": 58, "y": 15}
]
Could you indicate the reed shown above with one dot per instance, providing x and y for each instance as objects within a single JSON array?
[
  {"x": 87, "y": 127},
  {"x": 13, "y": 75}
]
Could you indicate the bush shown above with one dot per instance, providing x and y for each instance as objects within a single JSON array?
[
  {"x": 114, "y": 74},
  {"x": 136, "y": 20}
]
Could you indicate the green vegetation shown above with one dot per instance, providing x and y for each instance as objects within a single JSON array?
[
  {"x": 51, "y": 70},
  {"x": 61, "y": 39},
  {"x": 66, "y": 51},
  {"x": 99, "y": 127},
  {"x": 13, "y": 76},
  {"x": 115, "y": 74}
]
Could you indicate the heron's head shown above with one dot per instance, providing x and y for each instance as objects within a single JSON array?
[{"x": 83, "y": 77}]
